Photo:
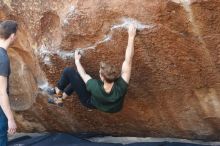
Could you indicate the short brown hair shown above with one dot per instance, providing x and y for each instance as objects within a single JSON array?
[
  {"x": 7, "y": 28},
  {"x": 108, "y": 72}
]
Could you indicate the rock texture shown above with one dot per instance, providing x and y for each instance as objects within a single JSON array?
[{"x": 175, "y": 85}]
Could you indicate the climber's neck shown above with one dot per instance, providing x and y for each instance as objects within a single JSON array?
[{"x": 108, "y": 87}]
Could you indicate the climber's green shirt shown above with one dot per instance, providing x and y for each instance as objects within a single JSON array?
[{"x": 107, "y": 102}]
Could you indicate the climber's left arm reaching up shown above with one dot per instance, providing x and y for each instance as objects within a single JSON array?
[
  {"x": 80, "y": 68},
  {"x": 126, "y": 66}
]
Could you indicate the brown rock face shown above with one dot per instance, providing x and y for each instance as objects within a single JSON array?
[{"x": 174, "y": 89}]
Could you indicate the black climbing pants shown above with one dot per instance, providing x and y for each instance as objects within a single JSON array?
[{"x": 71, "y": 81}]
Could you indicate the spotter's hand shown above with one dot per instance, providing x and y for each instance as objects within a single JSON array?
[
  {"x": 12, "y": 127},
  {"x": 77, "y": 55}
]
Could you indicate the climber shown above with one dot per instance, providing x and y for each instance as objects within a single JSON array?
[
  {"x": 106, "y": 94},
  {"x": 8, "y": 30}
]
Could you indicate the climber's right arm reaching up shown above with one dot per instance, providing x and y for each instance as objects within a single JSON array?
[{"x": 126, "y": 66}]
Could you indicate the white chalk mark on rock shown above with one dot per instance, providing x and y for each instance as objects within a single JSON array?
[
  {"x": 70, "y": 13},
  {"x": 128, "y": 21},
  {"x": 182, "y": 1},
  {"x": 44, "y": 86},
  {"x": 45, "y": 52}
]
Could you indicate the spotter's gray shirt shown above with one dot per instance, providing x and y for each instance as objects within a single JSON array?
[{"x": 5, "y": 69}]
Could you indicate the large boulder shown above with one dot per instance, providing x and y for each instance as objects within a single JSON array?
[{"x": 175, "y": 85}]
